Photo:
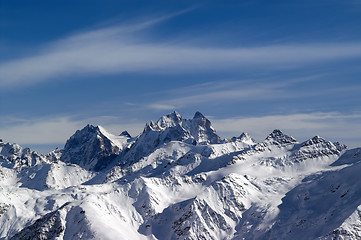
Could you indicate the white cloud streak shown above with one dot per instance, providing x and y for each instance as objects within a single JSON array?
[
  {"x": 214, "y": 92},
  {"x": 160, "y": 106},
  {"x": 119, "y": 49},
  {"x": 236, "y": 91}
]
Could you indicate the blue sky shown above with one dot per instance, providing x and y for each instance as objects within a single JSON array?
[{"x": 249, "y": 66}]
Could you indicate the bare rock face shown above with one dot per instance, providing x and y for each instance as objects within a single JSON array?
[
  {"x": 277, "y": 137},
  {"x": 66, "y": 222},
  {"x": 47, "y": 227},
  {"x": 90, "y": 149},
  {"x": 317, "y": 147}
]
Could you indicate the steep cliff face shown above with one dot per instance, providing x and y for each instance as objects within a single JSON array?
[{"x": 93, "y": 148}]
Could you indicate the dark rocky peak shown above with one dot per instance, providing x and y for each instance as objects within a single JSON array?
[
  {"x": 87, "y": 131},
  {"x": 198, "y": 115},
  {"x": 314, "y": 140},
  {"x": 125, "y": 134},
  {"x": 277, "y": 137},
  {"x": 89, "y": 148}
]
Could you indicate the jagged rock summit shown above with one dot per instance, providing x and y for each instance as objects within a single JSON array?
[
  {"x": 198, "y": 130},
  {"x": 244, "y": 137},
  {"x": 125, "y": 134},
  {"x": 277, "y": 137},
  {"x": 93, "y": 148},
  {"x": 14, "y": 155},
  {"x": 201, "y": 129},
  {"x": 178, "y": 180},
  {"x": 171, "y": 127}
]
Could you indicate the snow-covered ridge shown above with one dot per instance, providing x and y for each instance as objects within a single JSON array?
[{"x": 179, "y": 180}]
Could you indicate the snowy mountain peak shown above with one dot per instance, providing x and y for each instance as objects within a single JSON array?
[
  {"x": 151, "y": 126},
  {"x": 277, "y": 137},
  {"x": 314, "y": 140},
  {"x": 322, "y": 143},
  {"x": 9, "y": 149},
  {"x": 198, "y": 115},
  {"x": 170, "y": 120},
  {"x": 91, "y": 148},
  {"x": 318, "y": 139},
  {"x": 171, "y": 127},
  {"x": 16, "y": 156},
  {"x": 167, "y": 121},
  {"x": 201, "y": 129},
  {"x": 244, "y": 137}
]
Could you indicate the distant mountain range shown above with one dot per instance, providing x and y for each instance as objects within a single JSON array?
[{"x": 179, "y": 180}]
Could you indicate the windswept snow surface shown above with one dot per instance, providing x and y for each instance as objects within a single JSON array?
[{"x": 179, "y": 180}]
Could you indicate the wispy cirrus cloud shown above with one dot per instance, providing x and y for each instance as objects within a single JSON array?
[
  {"x": 247, "y": 90},
  {"x": 125, "y": 48},
  {"x": 160, "y": 106},
  {"x": 210, "y": 92}
]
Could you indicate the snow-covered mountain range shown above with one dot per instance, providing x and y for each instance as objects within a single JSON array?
[{"x": 179, "y": 180}]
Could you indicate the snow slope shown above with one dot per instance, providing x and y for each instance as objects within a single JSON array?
[{"x": 179, "y": 180}]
